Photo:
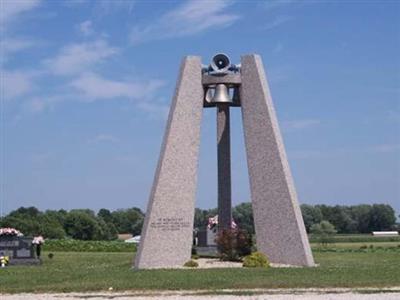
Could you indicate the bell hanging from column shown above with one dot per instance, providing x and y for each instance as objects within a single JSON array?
[{"x": 221, "y": 94}]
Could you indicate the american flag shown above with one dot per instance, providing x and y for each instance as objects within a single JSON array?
[{"x": 213, "y": 221}]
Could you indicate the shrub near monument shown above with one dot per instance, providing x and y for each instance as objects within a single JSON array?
[
  {"x": 234, "y": 244},
  {"x": 256, "y": 260}
]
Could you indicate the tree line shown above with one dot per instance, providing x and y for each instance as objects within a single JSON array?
[
  {"x": 85, "y": 224},
  {"x": 362, "y": 218},
  {"x": 81, "y": 224}
]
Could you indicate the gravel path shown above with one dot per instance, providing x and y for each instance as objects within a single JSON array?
[{"x": 295, "y": 294}]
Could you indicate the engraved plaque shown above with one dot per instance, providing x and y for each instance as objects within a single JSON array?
[
  {"x": 22, "y": 253},
  {"x": 9, "y": 253},
  {"x": 9, "y": 244}
]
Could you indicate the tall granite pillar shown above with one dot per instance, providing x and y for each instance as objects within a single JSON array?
[
  {"x": 166, "y": 239},
  {"x": 224, "y": 167},
  {"x": 279, "y": 226}
]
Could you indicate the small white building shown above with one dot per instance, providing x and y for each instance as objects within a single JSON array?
[
  {"x": 135, "y": 240},
  {"x": 385, "y": 233}
]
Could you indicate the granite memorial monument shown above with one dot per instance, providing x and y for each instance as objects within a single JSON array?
[{"x": 166, "y": 238}]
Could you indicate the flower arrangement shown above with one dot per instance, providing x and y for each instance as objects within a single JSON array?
[
  {"x": 8, "y": 231},
  {"x": 38, "y": 240},
  {"x": 4, "y": 260}
]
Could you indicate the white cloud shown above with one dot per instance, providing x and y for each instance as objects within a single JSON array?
[
  {"x": 12, "y": 45},
  {"x": 16, "y": 83},
  {"x": 193, "y": 17},
  {"x": 300, "y": 124},
  {"x": 95, "y": 87},
  {"x": 77, "y": 58},
  {"x": 86, "y": 28},
  {"x": 38, "y": 104},
  {"x": 11, "y": 9}
]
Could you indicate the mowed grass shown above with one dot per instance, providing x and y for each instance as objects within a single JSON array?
[
  {"x": 359, "y": 238},
  {"x": 357, "y": 245},
  {"x": 83, "y": 271}
]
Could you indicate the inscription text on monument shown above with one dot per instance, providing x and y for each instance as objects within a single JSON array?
[{"x": 170, "y": 224}]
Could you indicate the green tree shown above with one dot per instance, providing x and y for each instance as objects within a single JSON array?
[
  {"x": 107, "y": 230},
  {"x": 382, "y": 217},
  {"x": 27, "y": 226},
  {"x": 323, "y": 232},
  {"x": 200, "y": 221},
  {"x": 106, "y": 215},
  {"x": 25, "y": 212},
  {"x": 56, "y": 215},
  {"x": 243, "y": 216},
  {"x": 128, "y": 220},
  {"x": 51, "y": 226},
  {"x": 311, "y": 215},
  {"x": 81, "y": 225},
  {"x": 341, "y": 219},
  {"x": 361, "y": 214}
]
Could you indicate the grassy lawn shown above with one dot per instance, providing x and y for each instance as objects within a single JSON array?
[
  {"x": 357, "y": 245},
  {"x": 360, "y": 238},
  {"x": 84, "y": 271}
]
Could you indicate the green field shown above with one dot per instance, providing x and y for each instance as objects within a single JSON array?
[
  {"x": 97, "y": 271},
  {"x": 360, "y": 246},
  {"x": 359, "y": 238}
]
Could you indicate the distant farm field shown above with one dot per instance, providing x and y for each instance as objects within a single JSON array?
[
  {"x": 359, "y": 238},
  {"x": 339, "y": 266}
]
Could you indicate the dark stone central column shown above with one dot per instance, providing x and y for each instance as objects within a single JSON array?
[{"x": 224, "y": 167}]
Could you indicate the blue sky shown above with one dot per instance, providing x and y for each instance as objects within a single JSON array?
[{"x": 86, "y": 86}]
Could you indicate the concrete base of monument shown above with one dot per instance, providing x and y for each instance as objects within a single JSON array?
[
  {"x": 209, "y": 263},
  {"x": 207, "y": 251}
]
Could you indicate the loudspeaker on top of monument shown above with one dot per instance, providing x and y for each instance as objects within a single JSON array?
[
  {"x": 220, "y": 62},
  {"x": 220, "y": 65}
]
